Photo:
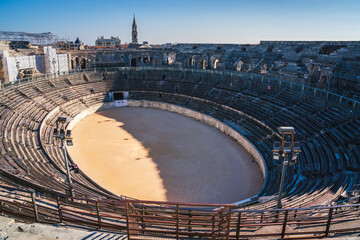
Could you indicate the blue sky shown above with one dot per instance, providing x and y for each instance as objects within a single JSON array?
[{"x": 206, "y": 21}]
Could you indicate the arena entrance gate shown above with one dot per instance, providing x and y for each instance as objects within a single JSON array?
[{"x": 119, "y": 98}]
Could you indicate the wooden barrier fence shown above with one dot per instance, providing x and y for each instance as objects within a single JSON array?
[{"x": 151, "y": 219}]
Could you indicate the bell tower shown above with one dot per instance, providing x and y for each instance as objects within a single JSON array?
[{"x": 134, "y": 33}]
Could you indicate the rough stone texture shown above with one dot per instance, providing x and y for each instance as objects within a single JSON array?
[
  {"x": 327, "y": 65},
  {"x": 5, "y": 222},
  {"x": 10, "y": 230}
]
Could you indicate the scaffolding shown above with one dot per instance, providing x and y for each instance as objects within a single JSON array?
[{"x": 33, "y": 38}]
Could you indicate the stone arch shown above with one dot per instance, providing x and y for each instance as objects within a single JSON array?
[
  {"x": 216, "y": 63},
  {"x": 133, "y": 62},
  {"x": 169, "y": 61},
  {"x": 203, "y": 64},
  {"x": 73, "y": 64},
  {"x": 239, "y": 65},
  {"x": 77, "y": 63},
  {"x": 191, "y": 62},
  {"x": 83, "y": 63}
]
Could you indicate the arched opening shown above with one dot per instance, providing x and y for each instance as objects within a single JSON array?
[
  {"x": 145, "y": 60},
  {"x": 203, "y": 64},
  {"x": 239, "y": 66},
  {"x": 133, "y": 62},
  {"x": 83, "y": 63},
  {"x": 191, "y": 62},
  {"x": 163, "y": 77},
  {"x": 170, "y": 61},
  {"x": 216, "y": 63},
  {"x": 323, "y": 81},
  {"x": 77, "y": 64},
  {"x": 72, "y": 64}
]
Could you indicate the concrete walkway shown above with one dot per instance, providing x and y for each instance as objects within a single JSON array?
[{"x": 11, "y": 230}]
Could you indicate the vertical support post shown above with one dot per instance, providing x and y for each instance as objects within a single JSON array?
[
  {"x": 220, "y": 223},
  {"x": 142, "y": 217},
  {"x": 177, "y": 221},
  {"x": 189, "y": 228},
  {"x": 59, "y": 208},
  {"x": 127, "y": 219},
  {"x": 284, "y": 224},
  {"x": 213, "y": 225},
  {"x": 278, "y": 205},
  {"x": 329, "y": 222},
  {"x": 238, "y": 226},
  {"x": 71, "y": 190},
  {"x": 98, "y": 214},
  {"x": 228, "y": 224},
  {"x": 34, "y": 206},
  {"x": 1, "y": 207}
]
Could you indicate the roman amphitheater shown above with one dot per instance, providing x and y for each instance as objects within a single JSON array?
[{"x": 161, "y": 144}]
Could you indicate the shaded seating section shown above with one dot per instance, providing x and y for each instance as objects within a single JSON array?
[{"x": 329, "y": 149}]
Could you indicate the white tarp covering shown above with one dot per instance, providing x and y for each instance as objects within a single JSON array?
[
  {"x": 50, "y": 62},
  {"x": 63, "y": 62}
]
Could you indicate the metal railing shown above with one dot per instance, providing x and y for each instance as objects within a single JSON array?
[{"x": 179, "y": 220}]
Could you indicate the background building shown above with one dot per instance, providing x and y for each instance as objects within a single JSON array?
[{"x": 108, "y": 42}]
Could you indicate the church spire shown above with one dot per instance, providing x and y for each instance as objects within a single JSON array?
[
  {"x": 134, "y": 21},
  {"x": 134, "y": 32}
]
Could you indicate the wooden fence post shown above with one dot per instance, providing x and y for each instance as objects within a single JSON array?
[
  {"x": 1, "y": 207},
  {"x": 98, "y": 214},
  {"x": 34, "y": 206},
  {"x": 127, "y": 219},
  {"x": 329, "y": 222},
  {"x": 238, "y": 226},
  {"x": 228, "y": 224},
  {"x": 189, "y": 228},
  {"x": 213, "y": 226},
  {"x": 142, "y": 217},
  {"x": 59, "y": 208},
  {"x": 284, "y": 224},
  {"x": 177, "y": 221}
]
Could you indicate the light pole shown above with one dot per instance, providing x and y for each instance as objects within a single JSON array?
[
  {"x": 59, "y": 132},
  {"x": 285, "y": 149}
]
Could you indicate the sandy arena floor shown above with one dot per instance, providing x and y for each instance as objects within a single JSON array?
[{"x": 152, "y": 154}]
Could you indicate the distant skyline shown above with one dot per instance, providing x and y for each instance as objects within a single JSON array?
[{"x": 187, "y": 21}]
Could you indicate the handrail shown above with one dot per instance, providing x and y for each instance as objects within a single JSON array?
[{"x": 176, "y": 220}]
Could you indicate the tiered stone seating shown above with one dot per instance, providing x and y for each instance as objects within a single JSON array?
[
  {"x": 329, "y": 134},
  {"x": 312, "y": 119}
]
